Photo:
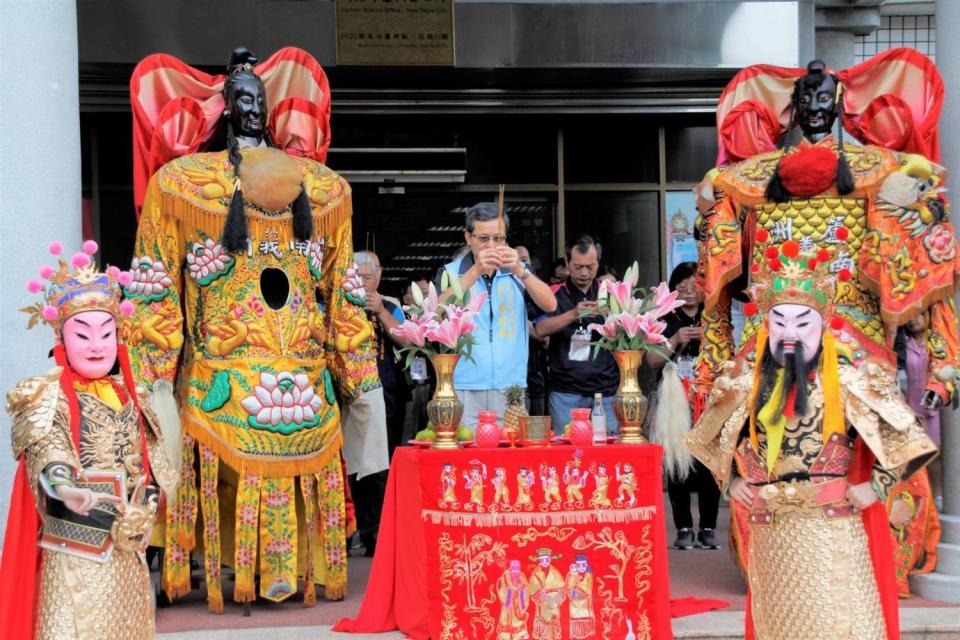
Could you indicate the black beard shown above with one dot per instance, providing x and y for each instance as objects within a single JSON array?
[{"x": 796, "y": 373}]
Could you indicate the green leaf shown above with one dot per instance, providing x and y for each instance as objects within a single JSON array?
[{"x": 219, "y": 392}]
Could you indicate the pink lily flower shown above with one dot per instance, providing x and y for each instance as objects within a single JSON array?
[
  {"x": 630, "y": 323},
  {"x": 445, "y": 333},
  {"x": 432, "y": 302},
  {"x": 622, "y": 293},
  {"x": 476, "y": 302},
  {"x": 652, "y": 329},
  {"x": 412, "y": 332},
  {"x": 608, "y": 329},
  {"x": 664, "y": 300}
]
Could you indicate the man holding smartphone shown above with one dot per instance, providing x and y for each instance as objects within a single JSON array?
[
  {"x": 575, "y": 375},
  {"x": 499, "y": 358}
]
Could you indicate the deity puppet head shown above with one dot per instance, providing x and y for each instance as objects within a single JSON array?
[
  {"x": 817, "y": 101},
  {"x": 83, "y": 306},
  {"x": 246, "y": 114},
  {"x": 796, "y": 293},
  {"x": 245, "y": 97},
  {"x": 804, "y": 172}
]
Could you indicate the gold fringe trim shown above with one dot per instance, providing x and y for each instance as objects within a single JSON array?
[
  {"x": 244, "y": 594},
  {"x": 326, "y": 219},
  {"x": 175, "y": 588},
  {"x": 215, "y": 603},
  {"x": 334, "y": 592},
  {"x": 538, "y": 518},
  {"x": 245, "y": 466}
]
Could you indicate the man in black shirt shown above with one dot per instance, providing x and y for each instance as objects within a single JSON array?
[
  {"x": 574, "y": 374},
  {"x": 684, "y": 333}
]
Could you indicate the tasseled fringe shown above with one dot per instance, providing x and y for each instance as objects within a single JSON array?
[
  {"x": 309, "y": 594},
  {"x": 215, "y": 602},
  {"x": 761, "y": 346},
  {"x": 326, "y": 219},
  {"x": 244, "y": 594},
  {"x": 262, "y": 468},
  {"x": 334, "y": 592},
  {"x": 538, "y": 518},
  {"x": 175, "y": 588}
]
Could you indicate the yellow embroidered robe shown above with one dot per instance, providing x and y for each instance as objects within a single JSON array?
[{"x": 262, "y": 344}]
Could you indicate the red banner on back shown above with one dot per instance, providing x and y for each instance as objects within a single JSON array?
[{"x": 545, "y": 543}]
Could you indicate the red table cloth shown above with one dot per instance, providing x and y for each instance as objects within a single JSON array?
[{"x": 543, "y": 543}]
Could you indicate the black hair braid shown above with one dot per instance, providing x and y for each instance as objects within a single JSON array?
[
  {"x": 844, "y": 179},
  {"x": 234, "y": 238},
  {"x": 775, "y": 190},
  {"x": 302, "y": 216}
]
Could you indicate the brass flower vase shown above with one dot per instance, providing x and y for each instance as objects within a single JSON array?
[
  {"x": 629, "y": 405},
  {"x": 445, "y": 409}
]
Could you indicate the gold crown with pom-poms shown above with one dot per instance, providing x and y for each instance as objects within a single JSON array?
[{"x": 68, "y": 292}]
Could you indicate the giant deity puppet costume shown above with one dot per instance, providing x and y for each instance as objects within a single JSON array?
[
  {"x": 792, "y": 167},
  {"x": 91, "y": 460},
  {"x": 250, "y": 305},
  {"x": 811, "y": 443}
]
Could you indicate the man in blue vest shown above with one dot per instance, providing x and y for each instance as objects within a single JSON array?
[{"x": 500, "y": 355}]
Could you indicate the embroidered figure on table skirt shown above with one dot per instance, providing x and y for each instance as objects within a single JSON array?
[
  {"x": 251, "y": 302},
  {"x": 547, "y": 592},
  {"x": 514, "y": 596},
  {"x": 579, "y": 586},
  {"x": 91, "y": 465},
  {"x": 811, "y": 445}
]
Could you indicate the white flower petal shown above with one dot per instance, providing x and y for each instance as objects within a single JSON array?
[
  {"x": 316, "y": 403},
  {"x": 252, "y": 405},
  {"x": 287, "y": 414},
  {"x": 307, "y": 414},
  {"x": 302, "y": 380},
  {"x": 268, "y": 380},
  {"x": 276, "y": 396},
  {"x": 298, "y": 414},
  {"x": 287, "y": 400},
  {"x": 275, "y": 415},
  {"x": 263, "y": 396},
  {"x": 263, "y": 416},
  {"x": 306, "y": 397}
]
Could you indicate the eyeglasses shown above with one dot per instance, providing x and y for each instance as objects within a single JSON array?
[{"x": 485, "y": 239}]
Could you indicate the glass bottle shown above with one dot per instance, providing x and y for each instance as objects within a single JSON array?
[{"x": 599, "y": 419}]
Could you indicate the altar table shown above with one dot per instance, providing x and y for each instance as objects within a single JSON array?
[{"x": 507, "y": 544}]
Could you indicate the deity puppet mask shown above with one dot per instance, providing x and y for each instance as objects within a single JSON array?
[
  {"x": 90, "y": 341},
  {"x": 794, "y": 329},
  {"x": 245, "y": 96}
]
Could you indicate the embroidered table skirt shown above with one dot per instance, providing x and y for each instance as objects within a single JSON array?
[{"x": 507, "y": 544}]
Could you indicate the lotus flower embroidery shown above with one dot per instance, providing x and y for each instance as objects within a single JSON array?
[
  {"x": 208, "y": 261},
  {"x": 283, "y": 403},
  {"x": 150, "y": 280},
  {"x": 353, "y": 287}
]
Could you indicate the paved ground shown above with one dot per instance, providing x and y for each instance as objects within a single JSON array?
[{"x": 698, "y": 573}]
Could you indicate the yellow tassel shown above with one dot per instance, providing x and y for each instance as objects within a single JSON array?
[
  {"x": 833, "y": 422},
  {"x": 309, "y": 594},
  {"x": 773, "y": 426},
  {"x": 335, "y": 592},
  {"x": 761, "y": 347},
  {"x": 215, "y": 602}
]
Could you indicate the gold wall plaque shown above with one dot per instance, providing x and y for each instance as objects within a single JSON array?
[{"x": 395, "y": 32}]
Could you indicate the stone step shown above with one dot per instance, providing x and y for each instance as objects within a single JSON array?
[
  {"x": 916, "y": 623},
  {"x": 936, "y": 586},
  {"x": 948, "y": 559},
  {"x": 950, "y": 528}
]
